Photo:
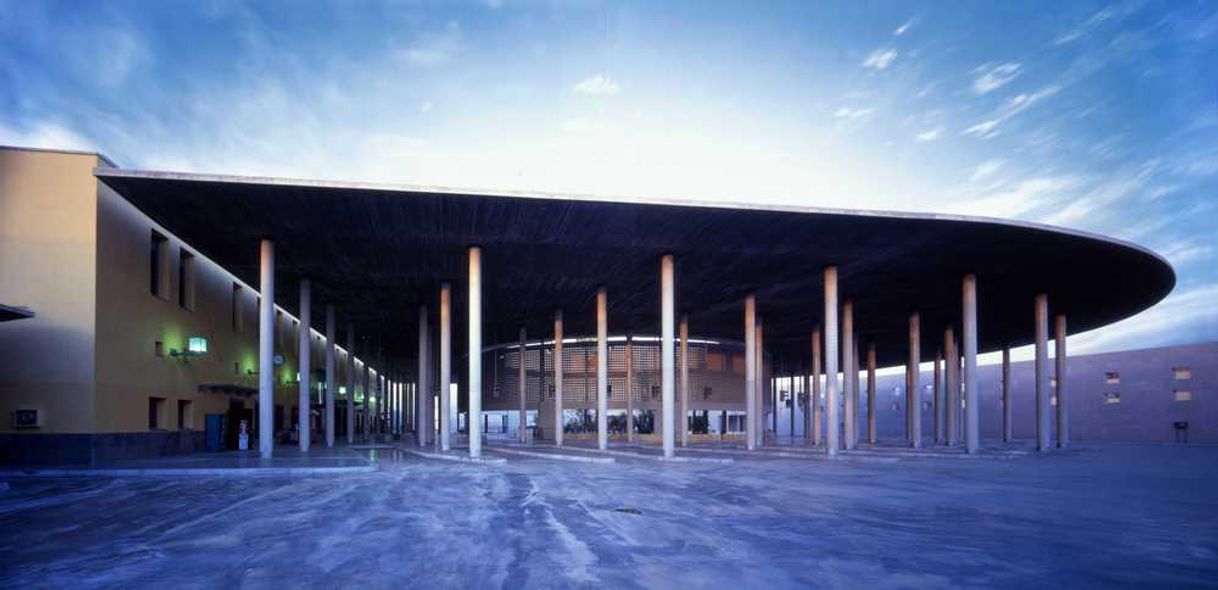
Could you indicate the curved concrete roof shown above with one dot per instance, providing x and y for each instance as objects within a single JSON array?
[{"x": 377, "y": 251}]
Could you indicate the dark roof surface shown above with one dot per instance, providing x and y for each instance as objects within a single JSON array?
[{"x": 378, "y": 251}]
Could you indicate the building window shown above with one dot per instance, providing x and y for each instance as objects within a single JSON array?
[
  {"x": 1112, "y": 378},
  {"x": 155, "y": 406},
  {"x": 186, "y": 279},
  {"x": 159, "y": 348},
  {"x": 1112, "y": 398},
  {"x": 185, "y": 420},
  {"x": 1181, "y": 373},
  {"x": 238, "y": 312},
  {"x": 158, "y": 266},
  {"x": 1183, "y": 395}
]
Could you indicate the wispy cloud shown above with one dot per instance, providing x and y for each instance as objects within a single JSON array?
[
  {"x": 1024, "y": 197},
  {"x": 852, "y": 114},
  {"x": 1186, "y": 251},
  {"x": 903, "y": 28},
  {"x": 1186, "y": 315},
  {"x": 46, "y": 135},
  {"x": 597, "y": 85},
  {"x": 434, "y": 49},
  {"x": 928, "y": 135},
  {"x": 989, "y": 77},
  {"x": 986, "y": 169},
  {"x": 1105, "y": 14},
  {"x": 880, "y": 59},
  {"x": 1013, "y": 106}
]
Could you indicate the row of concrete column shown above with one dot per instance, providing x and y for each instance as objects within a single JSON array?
[
  {"x": 389, "y": 391},
  {"x": 950, "y": 411},
  {"x": 422, "y": 419}
]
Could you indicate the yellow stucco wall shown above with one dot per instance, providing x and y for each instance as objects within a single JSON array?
[
  {"x": 47, "y": 235},
  {"x": 131, "y": 320},
  {"x": 78, "y": 254}
]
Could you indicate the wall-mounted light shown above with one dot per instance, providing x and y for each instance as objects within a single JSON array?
[{"x": 195, "y": 346}]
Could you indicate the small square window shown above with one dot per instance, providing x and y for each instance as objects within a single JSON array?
[
  {"x": 1183, "y": 395},
  {"x": 1112, "y": 378},
  {"x": 1112, "y": 398},
  {"x": 1053, "y": 400},
  {"x": 1181, "y": 373}
]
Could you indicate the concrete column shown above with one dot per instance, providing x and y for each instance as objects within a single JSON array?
[
  {"x": 951, "y": 393},
  {"x": 367, "y": 384},
  {"x": 266, "y": 351},
  {"x": 475, "y": 352},
  {"x": 972, "y": 416},
  {"x": 774, "y": 387},
  {"x": 914, "y": 396},
  {"x": 412, "y": 406},
  {"x": 558, "y": 378},
  {"x": 809, "y": 405},
  {"x": 848, "y": 393},
  {"x": 331, "y": 374},
  {"x": 856, "y": 387},
  {"x": 750, "y": 370},
  {"x": 1063, "y": 408},
  {"x": 422, "y": 391},
  {"x": 938, "y": 398},
  {"x": 446, "y": 365},
  {"x": 1006, "y": 395},
  {"x": 684, "y": 416},
  {"x": 523, "y": 423},
  {"x": 762, "y": 382},
  {"x": 602, "y": 368},
  {"x": 667, "y": 346},
  {"x": 795, "y": 380},
  {"x": 817, "y": 419},
  {"x": 350, "y": 382},
  {"x": 871, "y": 434},
  {"x": 833, "y": 423},
  {"x": 303, "y": 341},
  {"x": 630, "y": 388},
  {"x": 1042, "y": 372}
]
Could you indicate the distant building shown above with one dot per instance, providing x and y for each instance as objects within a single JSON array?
[{"x": 1152, "y": 395}]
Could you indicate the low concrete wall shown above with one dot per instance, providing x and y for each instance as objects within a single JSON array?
[{"x": 96, "y": 449}]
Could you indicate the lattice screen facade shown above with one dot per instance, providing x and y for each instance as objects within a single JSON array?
[{"x": 716, "y": 375}]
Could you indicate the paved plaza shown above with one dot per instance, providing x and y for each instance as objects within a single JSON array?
[{"x": 1112, "y": 515}]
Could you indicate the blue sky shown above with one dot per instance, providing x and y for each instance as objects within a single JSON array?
[{"x": 1097, "y": 116}]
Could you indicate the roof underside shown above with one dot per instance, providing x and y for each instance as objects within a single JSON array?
[{"x": 377, "y": 253}]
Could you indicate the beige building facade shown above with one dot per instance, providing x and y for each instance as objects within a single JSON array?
[{"x": 102, "y": 369}]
